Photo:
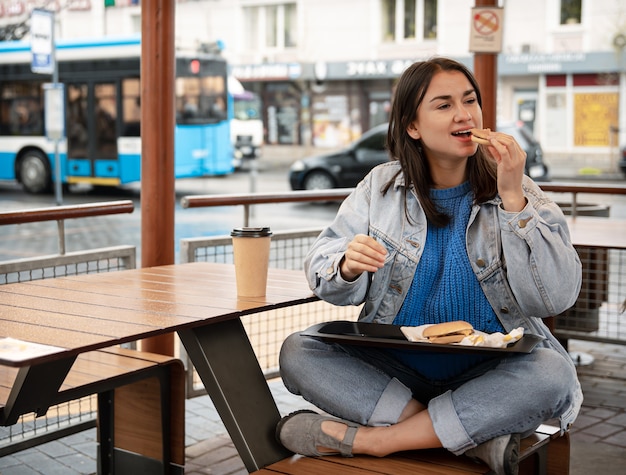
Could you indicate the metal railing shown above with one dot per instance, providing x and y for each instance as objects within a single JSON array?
[
  {"x": 339, "y": 194},
  {"x": 598, "y": 313},
  {"x": 78, "y": 415}
]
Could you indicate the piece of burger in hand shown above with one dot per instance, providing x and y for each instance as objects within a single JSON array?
[
  {"x": 480, "y": 136},
  {"x": 448, "y": 332}
]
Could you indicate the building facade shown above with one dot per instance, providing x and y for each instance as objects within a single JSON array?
[{"x": 325, "y": 69}]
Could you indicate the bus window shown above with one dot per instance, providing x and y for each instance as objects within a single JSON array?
[
  {"x": 106, "y": 118},
  {"x": 77, "y": 137},
  {"x": 187, "y": 100},
  {"x": 247, "y": 106},
  {"x": 5, "y": 107},
  {"x": 214, "y": 97},
  {"x": 200, "y": 100},
  {"x": 21, "y": 109},
  {"x": 131, "y": 110}
]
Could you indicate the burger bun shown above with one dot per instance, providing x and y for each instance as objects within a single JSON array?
[{"x": 448, "y": 332}]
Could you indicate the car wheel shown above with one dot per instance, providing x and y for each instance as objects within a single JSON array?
[
  {"x": 318, "y": 180},
  {"x": 34, "y": 172}
]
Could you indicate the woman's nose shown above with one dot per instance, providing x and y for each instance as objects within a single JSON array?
[{"x": 462, "y": 114}]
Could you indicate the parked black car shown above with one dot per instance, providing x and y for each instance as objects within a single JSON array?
[{"x": 345, "y": 168}]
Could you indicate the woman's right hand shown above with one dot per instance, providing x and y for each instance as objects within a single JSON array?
[{"x": 364, "y": 254}]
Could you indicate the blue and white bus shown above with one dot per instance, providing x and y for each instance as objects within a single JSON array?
[{"x": 102, "y": 90}]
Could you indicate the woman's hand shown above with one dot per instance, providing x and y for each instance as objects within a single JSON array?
[
  {"x": 364, "y": 254},
  {"x": 511, "y": 160}
]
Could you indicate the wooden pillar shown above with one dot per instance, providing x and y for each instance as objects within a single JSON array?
[
  {"x": 158, "y": 197},
  {"x": 486, "y": 72}
]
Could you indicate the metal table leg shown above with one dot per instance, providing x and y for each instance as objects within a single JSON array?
[{"x": 226, "y": 363}]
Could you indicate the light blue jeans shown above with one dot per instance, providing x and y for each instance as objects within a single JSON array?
[{"x": 368, "y": 386}]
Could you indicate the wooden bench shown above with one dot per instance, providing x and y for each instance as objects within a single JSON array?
[
  {"x": 543, "y": 453},
  {"x": 141, "y": 407}
]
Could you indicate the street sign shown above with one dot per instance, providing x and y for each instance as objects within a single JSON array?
[
  {"x": 486, "y": 30},
  {"x": 42, "y": 41}
]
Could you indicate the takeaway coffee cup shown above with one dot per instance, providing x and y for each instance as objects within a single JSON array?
[{"x": 251, "y": 252}]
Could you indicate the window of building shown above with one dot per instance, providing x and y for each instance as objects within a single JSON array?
[
  {"x": 290, "y": 25},
  {"x": 271, "y": 26},
  {"x": 571, "y": 11},
  {"x": 409, "y": 19},
  {"x": 403, "y": 19},
  {"x": 388, "y": 18},
  {"x": 430, "y": 19}
]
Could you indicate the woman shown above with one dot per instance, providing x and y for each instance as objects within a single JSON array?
[{"x": 446, "y": 231}]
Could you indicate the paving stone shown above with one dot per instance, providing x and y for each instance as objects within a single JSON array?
[
  {"x": 619, "y": 419},
  {"x": 584, "y": 437},
  {"x": 80, "y": 463},
  {"x": 601, "y": 413},
  {"x": 8, "y": 461},
  {"x": 619, "y": 439},
  {"x": 603, "y": 430},
  {"x": 584, "y": 420},
  {"x": 20, "y": 470}
]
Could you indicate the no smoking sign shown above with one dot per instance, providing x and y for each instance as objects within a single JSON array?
[{"x": 486, "y": 30}]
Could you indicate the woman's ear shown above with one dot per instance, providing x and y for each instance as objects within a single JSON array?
[{"x": 412, "y": 131}]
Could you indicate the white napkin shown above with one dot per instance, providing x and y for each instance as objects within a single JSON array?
[{"x": 478, "y": 338}]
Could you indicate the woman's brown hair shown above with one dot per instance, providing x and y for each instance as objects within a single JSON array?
[{"x": 409, "y": 93}]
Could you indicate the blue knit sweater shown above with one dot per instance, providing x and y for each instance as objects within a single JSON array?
[{"x": 445, "y": 288}]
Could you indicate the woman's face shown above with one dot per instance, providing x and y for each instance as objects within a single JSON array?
[{"x": 445, "y": 116}]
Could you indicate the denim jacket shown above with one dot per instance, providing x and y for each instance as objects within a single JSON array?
[{"x": 524, "y": 261}]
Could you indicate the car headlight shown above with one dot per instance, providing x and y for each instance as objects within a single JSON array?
[{"x": 298, "y": 166}]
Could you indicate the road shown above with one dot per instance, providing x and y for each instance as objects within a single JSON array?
[{"x": 38, "y": 239}]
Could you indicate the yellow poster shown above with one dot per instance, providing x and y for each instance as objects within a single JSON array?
[{"x": 594, "y": 113}]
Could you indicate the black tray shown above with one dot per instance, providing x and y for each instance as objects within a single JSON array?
[{"x": 391, "y": 336}]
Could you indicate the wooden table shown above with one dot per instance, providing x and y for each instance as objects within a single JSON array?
[
  {"x": 82, "y": 313},
  {"x": 598, "y": 232}
]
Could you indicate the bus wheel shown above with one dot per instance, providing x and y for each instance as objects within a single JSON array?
[{"x": 34, "y": 172}]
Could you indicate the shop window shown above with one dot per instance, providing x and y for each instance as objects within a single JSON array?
[
  {"x": 402, "y": 19},
  {"x": 271, "y": 26},
  {"x": 571, "y": 12}
]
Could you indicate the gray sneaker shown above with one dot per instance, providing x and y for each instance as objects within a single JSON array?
[{"x": 500, "y": 454}]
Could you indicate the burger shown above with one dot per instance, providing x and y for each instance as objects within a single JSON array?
[{"x": 448, "y": 332}]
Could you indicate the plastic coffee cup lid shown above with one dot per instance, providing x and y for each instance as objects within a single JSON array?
[{"x": 251, "y": 232}]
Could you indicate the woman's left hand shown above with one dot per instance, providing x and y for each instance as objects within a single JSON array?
[{"x": 511, "y": 160}]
